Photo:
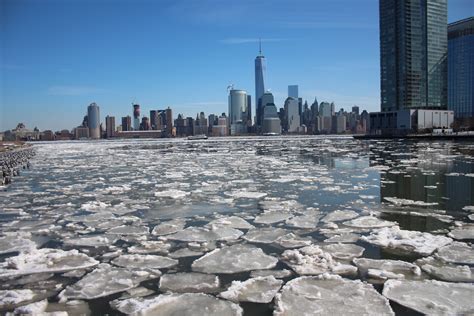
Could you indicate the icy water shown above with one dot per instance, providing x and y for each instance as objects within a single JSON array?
[{"x": 230, "y": 226}]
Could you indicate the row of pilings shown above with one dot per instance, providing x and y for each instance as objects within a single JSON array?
[{"x": 12, "y": 162}]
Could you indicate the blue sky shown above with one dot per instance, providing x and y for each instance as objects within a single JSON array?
[{"x": 56, "y": 57}]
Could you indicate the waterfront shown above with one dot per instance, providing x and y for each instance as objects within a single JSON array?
[{"x": 117, "y": 201}]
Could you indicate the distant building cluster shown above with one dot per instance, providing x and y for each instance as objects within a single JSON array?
[{"x": 427, "y": 81}]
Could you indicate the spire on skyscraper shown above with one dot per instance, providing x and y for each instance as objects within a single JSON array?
[{"x": 260, "y": 46}]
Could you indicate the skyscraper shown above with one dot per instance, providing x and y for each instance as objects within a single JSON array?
[
  {"x": 461, "y": 68},
  {"x": 260, "y": 69},
  {"x": 169, "y": 122},
  {"x": 413, "y": 54},
  {"x": 93, "y": 121},
  {"x": 238, "y": 111},
  {"x": 154, "y": 119},
  {"x": 110, "y": 126},
  {"x": 292, "y": 115},
  {"x": 126, "y": 123},
  {"x": 293, "y": 91},
  {"x": 136, "y": 117}
]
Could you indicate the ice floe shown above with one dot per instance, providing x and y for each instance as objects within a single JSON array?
[
  {"x": 441, "y": 270},
  {"x": 343, "y": 251},
  {"x": 144, "y": 261},
  {"x": 432, "y": 297},
  {"x": 188, "y": 304},
  {"x": 12, "y": 298},
  {"x": 231, "y": 221},
  {"x": 329, "y": 295},
  {"x": 255, "y": 290},
  {"x": 15, "y": 243},
  {"x": 369, "y": 222},
  {"x": 338, "y": 215},
  {"x": 343, "y": 238},
  {"x": 173, "y": 194},
  {"x": 45, "y": 260},
  {"x": 203, "y": 234},
  {"x": 463, "y": 232},
  {"x": 106, "y": 280},
  {"x": 457, "y": 252},
  {"x": 406, "y": 242},
  {"x": 312, "y": 260},
  {"x": 233, "y": 259},
  {"x": 191, "y": 282},
  {"x": 407, "y": 202},
  {"x": 272, "y": 217},
  {"x": 92, "y": 241},
  {"x": 169, "y": 227},
  {"x": 384, "y": 269},
  {"x": 265, "y": 235}
]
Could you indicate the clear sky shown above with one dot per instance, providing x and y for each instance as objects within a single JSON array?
[{"x": 57, "y": 56}]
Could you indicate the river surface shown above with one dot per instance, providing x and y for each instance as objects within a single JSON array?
[{"x": 272, "y": 194}]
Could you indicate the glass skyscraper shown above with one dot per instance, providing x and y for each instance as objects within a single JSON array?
[
  {"x": 413, "y": 54},
  {"x": 260, "y": 69},
  {"x": 461, "y": 68}
]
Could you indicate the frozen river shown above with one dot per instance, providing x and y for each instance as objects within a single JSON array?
[{"x": 240, "y": 226}]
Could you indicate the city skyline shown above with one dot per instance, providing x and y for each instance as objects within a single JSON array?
[{"x": 66, "y": 73}]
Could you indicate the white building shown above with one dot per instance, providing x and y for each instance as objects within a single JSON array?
[{"x": 292, "y": 115}]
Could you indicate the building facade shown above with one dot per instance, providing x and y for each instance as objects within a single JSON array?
[
  {"x": 93, "y": 121},
  {"x": 110, "y": 126},
  {"x": 461, "y": 68},
  {"x": 293, "y": 91},
  {"x": 238, "y": 112},
  {"x": 413, "y": 54},
  {"x": 292, "y": 115},
  {"x": 260, "y": 70},
  {"x": 126, "y": 123},
  {"x": 136, "y": 117}
]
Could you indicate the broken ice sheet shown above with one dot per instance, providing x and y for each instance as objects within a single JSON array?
[
  {"x": 255, "y": 290},
  {"x": 169, "y": 227},
  {"x": 457, "y": 252},
  {"x": 90, "y": 241},
  {"x": 173, "y": 194},
  {"x": 343, "y": 251},
  {"x": 405, "y": 242},
  {"x": 45, "y": 260},
  {"x": 189, "y": 304},
  {"x": 441, "y": 270},
  {"x": 463, "y": 232},
  {"x": 339, "y": 215},
  {"x": 15, "y": 243},
  {"x": 432, "y": 297},
  {"x": 265, "y": 235},
  {"x": 342, "y": 238},
  {"x": 231, "y": 221},
  {"x": 107, "y": 280},
  {"x": 150, "y": 246},
  {"x": 369, "y": 222},
  {"x": 12, "y": 298},
  {"x": 234, "y": 259},
  {"x": 202, "y": 234},
  {"x": 312, "y": 260},
  {"x": 191, "y": 282},
  {"x": 329, "y": 295},
  {"x": 272, "y": 217},
  {"x": 137, "y": 261},
  {"x": 386, "y": 269},
  {"x": 128, "y": 230}
]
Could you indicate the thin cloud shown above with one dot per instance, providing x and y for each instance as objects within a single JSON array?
[
  {"x": 73, "y": 90},
  {"x": 243, "y": 40}
]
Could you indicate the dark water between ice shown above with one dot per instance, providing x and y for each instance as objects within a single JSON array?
[{"x": 159, "y": 180}]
